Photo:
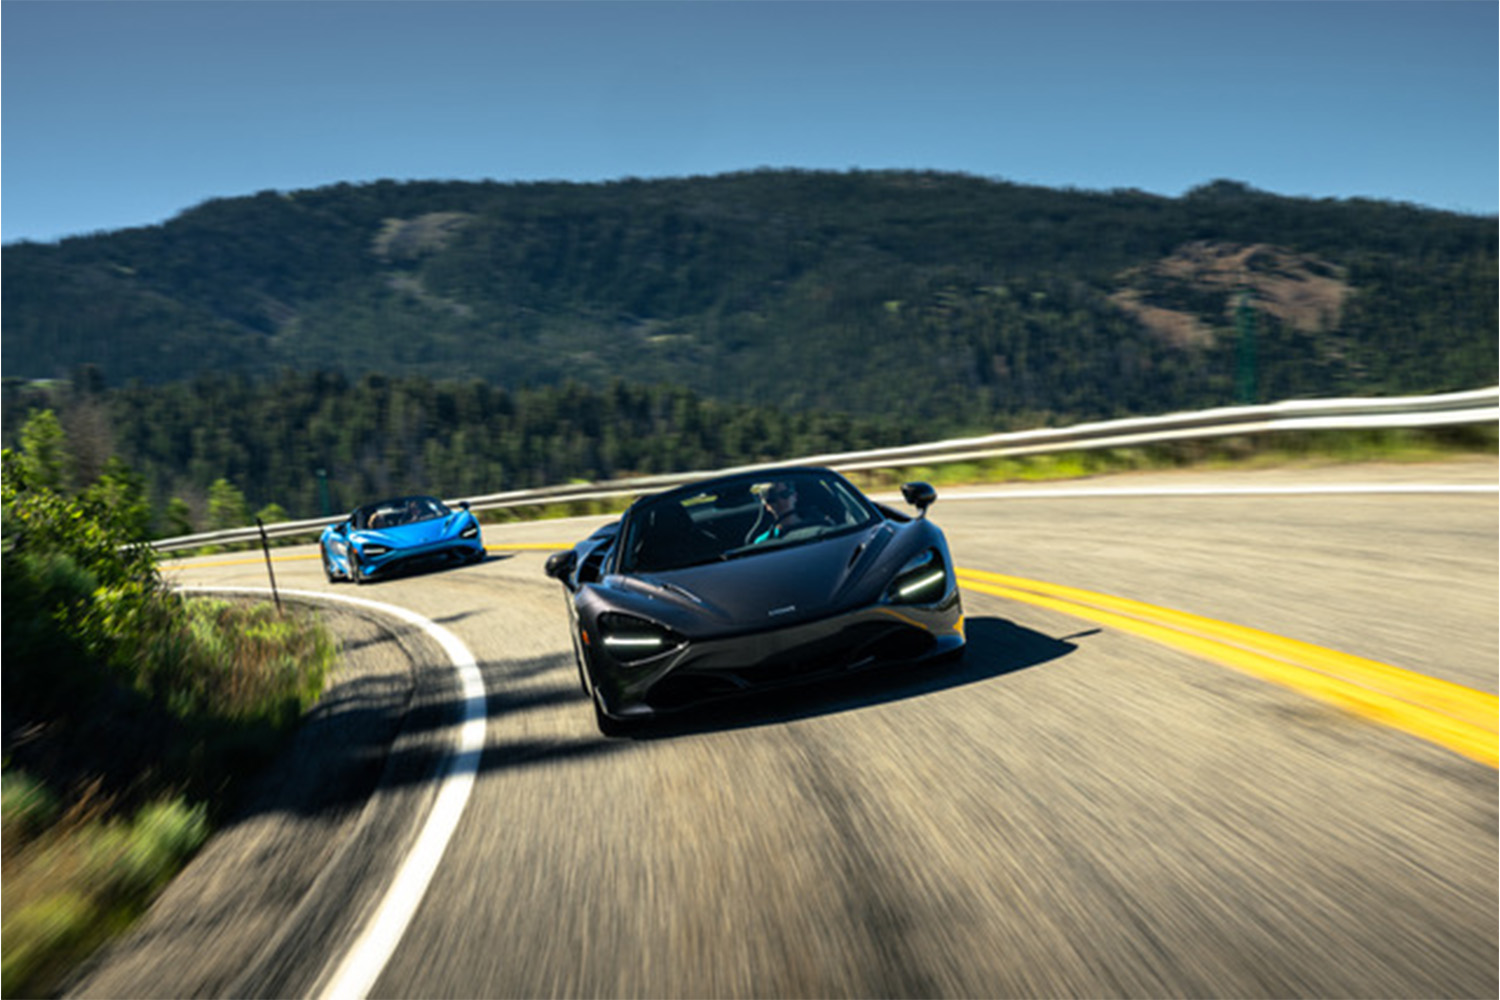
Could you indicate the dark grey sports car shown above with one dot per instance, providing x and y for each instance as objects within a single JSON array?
[{"x": 753, "y": 581}]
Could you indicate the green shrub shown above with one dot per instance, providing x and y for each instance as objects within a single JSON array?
[
  {"x": 27, "y": 808},
  {"x": 141, "y": 710},
  {"x": 68, "y": 889}
]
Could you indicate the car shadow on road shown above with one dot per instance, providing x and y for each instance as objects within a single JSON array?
[
  {"x": 996, "y": 648},
  {"x": 366, "y": 730},
  {"x": 398, "y": 573}
]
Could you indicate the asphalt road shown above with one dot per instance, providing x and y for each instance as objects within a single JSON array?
[{"x": 1072, "y": 811}]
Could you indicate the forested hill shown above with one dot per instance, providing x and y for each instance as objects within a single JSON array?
[{"x": 946, "y": 300}]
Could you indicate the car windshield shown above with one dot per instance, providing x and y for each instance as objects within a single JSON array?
[
  {"x": 744, "y": 516},
  {"x": 393, "y": 513}
]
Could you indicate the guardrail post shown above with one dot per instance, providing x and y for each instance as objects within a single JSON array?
[{"x": 265, "y": 547}]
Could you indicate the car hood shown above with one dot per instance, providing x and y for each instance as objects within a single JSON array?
[{"x": 773, "y": 588}]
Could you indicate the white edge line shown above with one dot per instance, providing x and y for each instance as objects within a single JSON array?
[
  {"x": 362, "y": 964},
  {"x": 1106, "y": 492}
]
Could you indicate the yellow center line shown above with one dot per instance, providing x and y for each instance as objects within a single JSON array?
[{"x": 1460, "y": 718}]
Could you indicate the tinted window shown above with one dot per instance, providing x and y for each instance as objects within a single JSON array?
[
  {"x": 394, "y": 513},
  {"x": 738, "y": 517}
]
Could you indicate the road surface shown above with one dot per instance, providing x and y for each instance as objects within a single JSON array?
[{"x": 1074, "y": 810}]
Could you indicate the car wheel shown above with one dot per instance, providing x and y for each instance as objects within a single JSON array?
[
  {"x": 328, "y": 566},
  {"x": 355, "y": 569}
]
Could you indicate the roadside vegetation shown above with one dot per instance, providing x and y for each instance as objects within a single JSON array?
[{"x": 131, "y": 714}]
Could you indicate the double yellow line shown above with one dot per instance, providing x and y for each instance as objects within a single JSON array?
[{"x": 1460, "y": 718}]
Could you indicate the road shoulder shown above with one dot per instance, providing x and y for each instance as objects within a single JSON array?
[{"x": 222, "y": 927}]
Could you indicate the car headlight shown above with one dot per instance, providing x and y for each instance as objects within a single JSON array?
[
  {"x": 372, "y": 549},
  {"x": 922, "y": 580},
  {"x": 633, "y": 640},
  {"x": 472, "y": 531}
]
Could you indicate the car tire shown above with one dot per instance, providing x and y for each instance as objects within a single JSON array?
[
  {"x": 356, "y": 570},
  {"x": 328, "y": 566}
]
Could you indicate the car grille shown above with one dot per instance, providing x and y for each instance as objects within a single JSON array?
[{"x": 866, "y": 644}]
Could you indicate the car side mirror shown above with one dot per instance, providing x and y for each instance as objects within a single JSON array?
[
  {"x": 919, "y": 495},
  {"x": 560, "y": 564}
]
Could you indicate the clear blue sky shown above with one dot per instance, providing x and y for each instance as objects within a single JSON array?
[{"x": 124, "y": 113}]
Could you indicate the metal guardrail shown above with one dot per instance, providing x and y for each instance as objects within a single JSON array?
[{"x": 1449, "y": 409}]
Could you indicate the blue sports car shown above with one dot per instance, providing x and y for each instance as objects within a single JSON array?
[{"x": 404, "y": 533}]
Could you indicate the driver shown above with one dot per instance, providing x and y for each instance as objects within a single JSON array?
[{"x": 780, "y": 501}]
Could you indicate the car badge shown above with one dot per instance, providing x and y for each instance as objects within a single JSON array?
[{"x": 781, "y": 611}]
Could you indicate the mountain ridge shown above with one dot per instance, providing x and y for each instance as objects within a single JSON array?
[{"x": 941, "y": 298}]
